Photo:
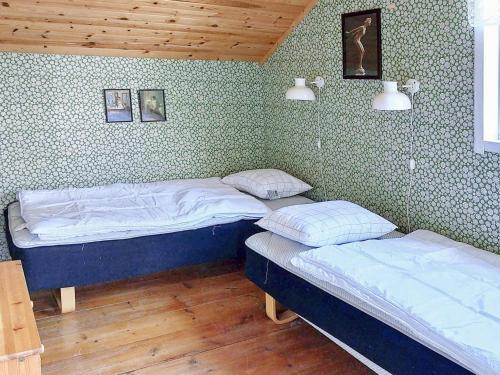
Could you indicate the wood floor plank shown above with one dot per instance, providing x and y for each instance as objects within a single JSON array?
[
  {"x": 288, "y": 351},
  {"x": 197, "y": 320}
]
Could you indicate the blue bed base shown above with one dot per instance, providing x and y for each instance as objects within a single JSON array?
[
  {"x": 380, "y": 343},
  {"x": 51, "y": 267}
]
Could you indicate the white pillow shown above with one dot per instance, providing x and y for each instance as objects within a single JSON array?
[
  {"x": 267, "y": 183},
  {"x": 326, "y": 223}
]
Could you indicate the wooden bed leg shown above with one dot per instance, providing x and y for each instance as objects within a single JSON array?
[
  {"x": 65, "y": 298},
  {"x": 272, "y": 313}
]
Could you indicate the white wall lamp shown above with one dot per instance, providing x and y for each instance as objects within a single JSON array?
[
  {"x": 393, "y": 100},
  {"x": 301, "y": 92}
]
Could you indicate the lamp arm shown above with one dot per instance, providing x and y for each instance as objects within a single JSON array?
[
  {"x": 412, "y": 86},
  {"x": 318, "y": 82}
]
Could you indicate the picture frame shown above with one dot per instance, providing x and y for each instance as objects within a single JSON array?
[
  {"x": 118, "y": 105},
  {"x": 362, "y": 44},
  {"x": 152, "y": 105}
]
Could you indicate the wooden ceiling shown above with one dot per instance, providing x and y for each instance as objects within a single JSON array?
[{"x": 248, "y": 30}]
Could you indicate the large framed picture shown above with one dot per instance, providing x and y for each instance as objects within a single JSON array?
[
  {"x": 362, "y": 45},
  {"x": 152, "y": 105},
  {"x": 118, "y": 105}
]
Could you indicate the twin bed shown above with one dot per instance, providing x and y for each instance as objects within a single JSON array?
[
  {"x": 53, "y": 265},
  {"x": 73, "y": 237},
  {"x": 76, "y": 237},
  {"x": 387, "y": 337}
]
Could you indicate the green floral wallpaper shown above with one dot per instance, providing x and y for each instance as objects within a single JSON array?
[
  {"x": 456, "y": 192},
  {"x": 53, "y": 131},
  {"x": 228, "y": 116}
]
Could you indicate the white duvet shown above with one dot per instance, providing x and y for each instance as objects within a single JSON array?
[
  {"x": 176, "y": 204},
  {"x": 450, "y": 289}
]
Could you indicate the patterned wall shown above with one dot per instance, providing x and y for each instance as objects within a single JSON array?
[
  {"x": 456, "y": 192},
  {"x": 53, "y": 131}
]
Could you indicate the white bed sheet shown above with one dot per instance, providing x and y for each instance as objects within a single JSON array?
[
  {"x": 447, "y": 290},
  {"x": 281, "y": 251},
  {"x": 25, "y": 239}
]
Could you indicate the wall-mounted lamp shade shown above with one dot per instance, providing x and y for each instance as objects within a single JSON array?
[
  {"x": 391, "y": 99},
  {"x": 300, "y": 91}
]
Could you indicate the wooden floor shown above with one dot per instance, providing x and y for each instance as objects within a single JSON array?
[{"x": 197, "y": 320}]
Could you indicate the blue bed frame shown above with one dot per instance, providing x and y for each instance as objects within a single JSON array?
[
  {"x": 380, "y": 343},
  {"x": 53, "y": 267}
]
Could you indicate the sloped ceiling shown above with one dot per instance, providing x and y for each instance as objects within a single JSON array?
[{"x": 248, "y": 30}]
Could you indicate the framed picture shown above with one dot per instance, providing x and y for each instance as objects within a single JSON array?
[
  {"x": 362, "y": 45},
  {"x": 118, "y": 105},
  {"x": 152, "y": 105}
]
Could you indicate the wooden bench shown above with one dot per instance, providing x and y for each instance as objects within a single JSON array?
[{"x": 20, "y": 345}]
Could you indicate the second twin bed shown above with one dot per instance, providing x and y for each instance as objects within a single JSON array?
[{"x": 413, "y": 304}]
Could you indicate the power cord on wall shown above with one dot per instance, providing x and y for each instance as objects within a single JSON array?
[
  {"x": 412, "y": 163},
  {"x": 393, "y": 100},
  {"x": 301, "y": 92},
  {"x": 320, "y": 146}
]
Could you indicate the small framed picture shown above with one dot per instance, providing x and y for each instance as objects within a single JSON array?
[
  {"x": 118, "y": 105},
  {"x": 152, "y": 105},
  {"x": 362, "y": 45}
]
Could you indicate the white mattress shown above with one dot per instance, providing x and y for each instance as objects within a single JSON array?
[
  {"x": 447, "y": 290},
  {"x": 25, "y": 239},
  {"x": 276, "y": 204},
  {"x": 281, "y": 250}
]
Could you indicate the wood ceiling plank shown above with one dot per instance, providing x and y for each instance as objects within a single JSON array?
[
  {"x": 253, "y": 4},
  {"x": 11, "y": 27},
  {"x": 114, "y": 52},
  {"x": 107, "y": 41},
  {"x": 97, "y": 23},
  {"x": 104, "y": 41},
  {"x": 168, "y": 7}
]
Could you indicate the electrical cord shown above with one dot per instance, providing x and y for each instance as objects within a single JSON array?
[
  {"x": 411, "y": 154},
  {"x": 411, "y": 163},
  {"x": 320, "y": 146}
]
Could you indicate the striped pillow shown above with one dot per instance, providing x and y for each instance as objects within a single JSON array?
[
  {"x": 326, "y": 223},
  {"x": 267, "y": 183}
]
